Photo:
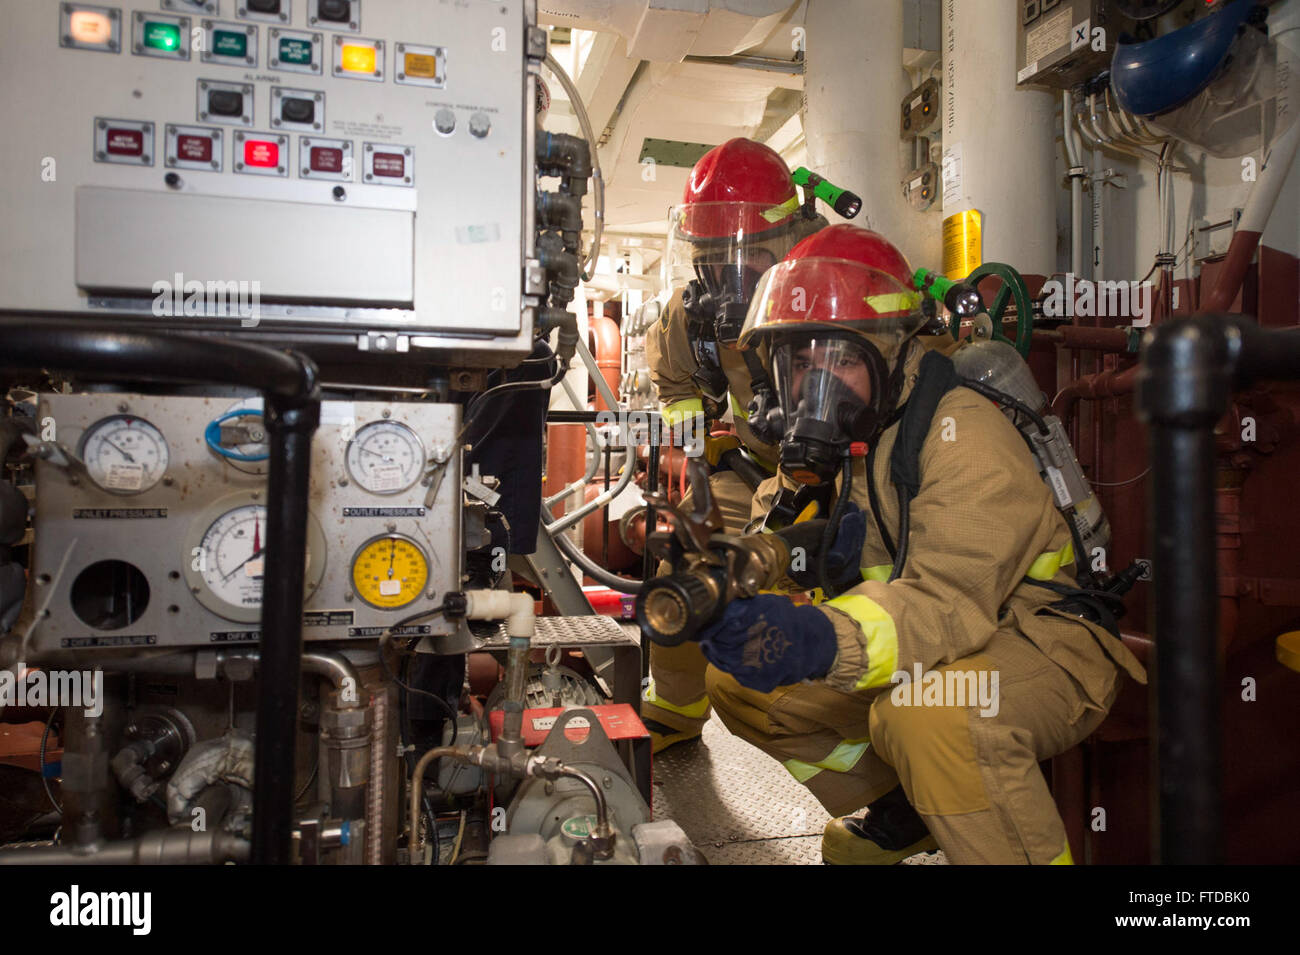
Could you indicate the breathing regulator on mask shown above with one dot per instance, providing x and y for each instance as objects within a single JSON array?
[{"x": 835, "y": 316}]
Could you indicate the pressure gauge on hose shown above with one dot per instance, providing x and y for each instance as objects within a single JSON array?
[
  {"x": 225, "y": 556},
  {"x": 385, "y": 457},
  {"x": 124, "y": 454}
]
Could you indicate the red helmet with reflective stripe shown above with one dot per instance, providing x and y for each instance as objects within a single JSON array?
[
  {"x": 843, "y": 278},
  {"x": 846, "y": 241},
  {"x": 738, "y": 171}
]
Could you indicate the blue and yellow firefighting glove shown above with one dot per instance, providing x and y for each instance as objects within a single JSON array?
[
  {"x": 767, "y": 641},
  {"x": 845, "y": 555}
]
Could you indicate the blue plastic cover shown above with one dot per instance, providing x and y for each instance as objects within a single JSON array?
[{"x": 1158, "y": 75}]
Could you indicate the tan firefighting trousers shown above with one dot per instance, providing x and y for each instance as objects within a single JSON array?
[
  {"x": 973, "y": 778},
  {"x": 676, "y": 696}
]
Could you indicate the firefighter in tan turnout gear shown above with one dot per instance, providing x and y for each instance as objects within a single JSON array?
[
  {"x": 957, "y": 651},
  {"x": 740, "y": 215}
]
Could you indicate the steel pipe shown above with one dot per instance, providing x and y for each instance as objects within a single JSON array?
[{"x": 1189, "y": 369}]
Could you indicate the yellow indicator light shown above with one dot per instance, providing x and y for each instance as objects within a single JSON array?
[
  {"x": 88, "y": 27},
  {"x": 421, "y": 66},
  {"x": 390, "y": 572},
  {"x": 358, "y": 59}
]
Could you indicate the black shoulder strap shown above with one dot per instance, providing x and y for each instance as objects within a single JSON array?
[{"x": 936, "y": 377}]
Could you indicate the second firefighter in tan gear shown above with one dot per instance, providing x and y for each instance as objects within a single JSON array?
[
  {"x": 676, "y": 699},
  {"x": 739, "y": 215}
]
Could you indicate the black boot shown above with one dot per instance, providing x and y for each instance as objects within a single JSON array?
[{"x": 888, "y": 832}]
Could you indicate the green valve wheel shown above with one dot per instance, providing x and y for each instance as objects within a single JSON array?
[{"x": 1013, "y": 287}]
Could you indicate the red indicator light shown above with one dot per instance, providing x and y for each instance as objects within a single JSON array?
[
  {"x": 124, "y": 142},
  {"x": 326, "y": 159},
  {"x": 261, "y": 153},
  {"x": 194, "y": 148},
  {"x": 392, "y": 165}
]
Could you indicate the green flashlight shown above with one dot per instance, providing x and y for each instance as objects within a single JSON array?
[
  {"x": 961, "y": 299},
  {"x": 846, "y": 203}
]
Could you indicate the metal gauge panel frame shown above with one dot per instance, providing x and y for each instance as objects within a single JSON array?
[{"x": 78, "y": 524}]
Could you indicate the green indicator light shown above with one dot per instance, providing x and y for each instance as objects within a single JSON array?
[
  {"x": 295, "y": 51},
  {"x": 229, "y": 43},
  {"x": 162, "y": 36}
]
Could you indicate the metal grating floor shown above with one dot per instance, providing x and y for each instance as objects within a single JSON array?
[{"x": 739, "y": 806}]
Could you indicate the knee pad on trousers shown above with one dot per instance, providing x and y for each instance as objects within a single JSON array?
[{"x": 933, "y": 752}]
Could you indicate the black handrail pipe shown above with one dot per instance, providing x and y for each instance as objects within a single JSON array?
[{"x": 1190, "y": 368}]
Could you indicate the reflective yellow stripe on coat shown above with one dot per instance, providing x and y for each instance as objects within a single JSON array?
[
  {"x": 1049, "y": 562},
  {"x": 678, "y": 411},
  {"x": 882, "y": 637}
]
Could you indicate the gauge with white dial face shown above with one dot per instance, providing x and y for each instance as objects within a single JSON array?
[
  {"x": 226, "y": 557},
  {"x": 385, "y": 457},
  {"x": 124, "y": 454},
  {"x": 232, "y": 556}
]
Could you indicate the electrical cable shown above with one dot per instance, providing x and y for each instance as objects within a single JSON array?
[
  {"x": 310, "y": 779},
  {"x": 1121, "y": 483},
  {"x": 501, "y": 518},
  {"x": 384, "y": 639},
  {"x": 476, "y": 403},
  {"x": 460, "y": 834},
  {"x": 45, "y": 738}
]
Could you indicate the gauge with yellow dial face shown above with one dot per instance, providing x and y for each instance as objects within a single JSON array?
[{"x": 390, "y": 571}]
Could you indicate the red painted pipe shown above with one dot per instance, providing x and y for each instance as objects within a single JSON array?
[
  {"x": 1240, "y": 251},
  {"x": 609, "y": 355},
  {"x": 1087, "y": 337},
  {"x": 566, "y": 458}
]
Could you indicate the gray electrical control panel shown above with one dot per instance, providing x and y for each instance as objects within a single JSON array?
[
  {"x": 1058, "y": 44},
  {"x": 151, "y": 531},
  {"x": 274, "y": 167}
]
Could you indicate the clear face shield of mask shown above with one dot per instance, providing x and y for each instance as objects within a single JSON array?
[
  {"x": 718, "y": 251},
  {"x": 827, "y": 389}
]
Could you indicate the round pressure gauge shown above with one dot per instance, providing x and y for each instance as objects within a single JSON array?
[
  {"x": 124, "y": 454},
  {"x": 389, "y": 571},
  {"x": 225, "y": 556},
  {"x": 385, "y": 457}
]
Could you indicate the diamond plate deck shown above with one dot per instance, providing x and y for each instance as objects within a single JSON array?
[
  {"x": 739, "y": 806},
  {"x": 590, "y": 629}
]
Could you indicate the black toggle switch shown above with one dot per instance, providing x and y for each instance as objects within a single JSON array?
[
  {"x": 226, "y": 103},
  {"x": 337, "y": 10},
  {"x": 294, "y": 110}
]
